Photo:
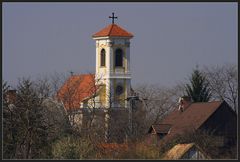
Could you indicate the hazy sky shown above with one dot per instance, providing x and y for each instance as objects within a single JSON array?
[{"x": 169, "y": 38}]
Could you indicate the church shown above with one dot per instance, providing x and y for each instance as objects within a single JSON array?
[
  {"x": 105, "y": 94},
  {"x": 111, "y": 84}
]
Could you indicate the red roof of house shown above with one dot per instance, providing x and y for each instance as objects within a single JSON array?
[
  {"x": 191, "y": 118},
  {"x": 113, "y": 30},
  {"x": 76, "y": 89}
]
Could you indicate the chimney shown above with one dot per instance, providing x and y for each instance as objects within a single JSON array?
[
  {"x": 184, "y": 102},
  {"x": 11, "y": 96}
]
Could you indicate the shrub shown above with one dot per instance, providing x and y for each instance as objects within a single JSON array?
[
  {"x": 71, "y": 147},
  {"x": 147, "y": 152}
]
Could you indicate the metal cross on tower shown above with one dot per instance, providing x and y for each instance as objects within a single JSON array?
[{"x": 112, "y": 17}]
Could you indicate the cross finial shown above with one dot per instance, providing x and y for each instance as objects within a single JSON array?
[{"x": 112, "y": 17}]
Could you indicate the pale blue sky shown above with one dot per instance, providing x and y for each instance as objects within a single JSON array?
[{"x": 169, "y": 38}]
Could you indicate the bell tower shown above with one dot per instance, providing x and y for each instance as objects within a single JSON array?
[{"x": 113, "y": 64}]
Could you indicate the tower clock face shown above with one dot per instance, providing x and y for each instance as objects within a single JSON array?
[{"x": 119, "y": 89}]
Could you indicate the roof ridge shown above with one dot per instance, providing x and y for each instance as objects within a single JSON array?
[
  {"x": 83, "y": 74},
  {"x": 79, "y": 75},
  {"x": 161, "y": 124},
  {"x": 111, "y": 29},
  {"x": 205, "y": 102}
]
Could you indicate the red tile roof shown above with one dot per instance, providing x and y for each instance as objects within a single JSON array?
[
  {"x": 190, "y": 119},
  {"x": 76, "y": 89},
  {"x": 113, "y": 30}
]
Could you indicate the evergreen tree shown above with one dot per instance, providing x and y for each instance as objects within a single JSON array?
[{"x": 198, "y": 90}]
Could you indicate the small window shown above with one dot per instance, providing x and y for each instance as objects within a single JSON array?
[
  {"x": 119, "y": 58},
  {"x": 103, "y": 57}
]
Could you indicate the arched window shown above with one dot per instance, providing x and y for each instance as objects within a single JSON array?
[
  {"x": 102, "y": 57},
  {"x": 119, "y": 57}
]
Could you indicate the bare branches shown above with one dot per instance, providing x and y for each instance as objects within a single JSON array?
[
  {"x": 223, "y": 83},
  {"x": 33, "y": 122},
  {"x": 159, "y": 100}
]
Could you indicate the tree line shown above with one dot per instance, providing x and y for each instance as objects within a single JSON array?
[{"x": 36, "y": 126}]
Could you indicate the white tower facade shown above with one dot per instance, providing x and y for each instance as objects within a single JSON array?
[{"x": 113, "y": 65}]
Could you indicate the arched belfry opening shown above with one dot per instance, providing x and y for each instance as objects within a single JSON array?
[
  {"x": 119, "y": 58},
  {"x": 103, "y": 57}
]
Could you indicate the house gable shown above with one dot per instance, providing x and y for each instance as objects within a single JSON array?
[{"x": 223, "y": 122}]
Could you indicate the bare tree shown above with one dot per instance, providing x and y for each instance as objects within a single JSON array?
[
  {"x": 103, "y": 121},
  {"x": 8, "y": 125},
  {"x": 68, "y": 94},
  {"x": 31, "y": 131},
  {"x": 56, "y": 81},
  {"x": 83, "y": 105},
  {"x": 32, "y": 121},
  {"x": 93, "y": 100},
  {"x": 159, "y": 100},
  {"x": 223, "y": 81}
]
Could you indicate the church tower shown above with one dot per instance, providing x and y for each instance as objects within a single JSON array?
[{"x": 113, "y": 64}]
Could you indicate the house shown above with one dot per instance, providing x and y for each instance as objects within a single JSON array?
[
  {"x": 215, "y": 117},
  {"x": 158, "y": 131},
  {"x": 185, "y": 151}
]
